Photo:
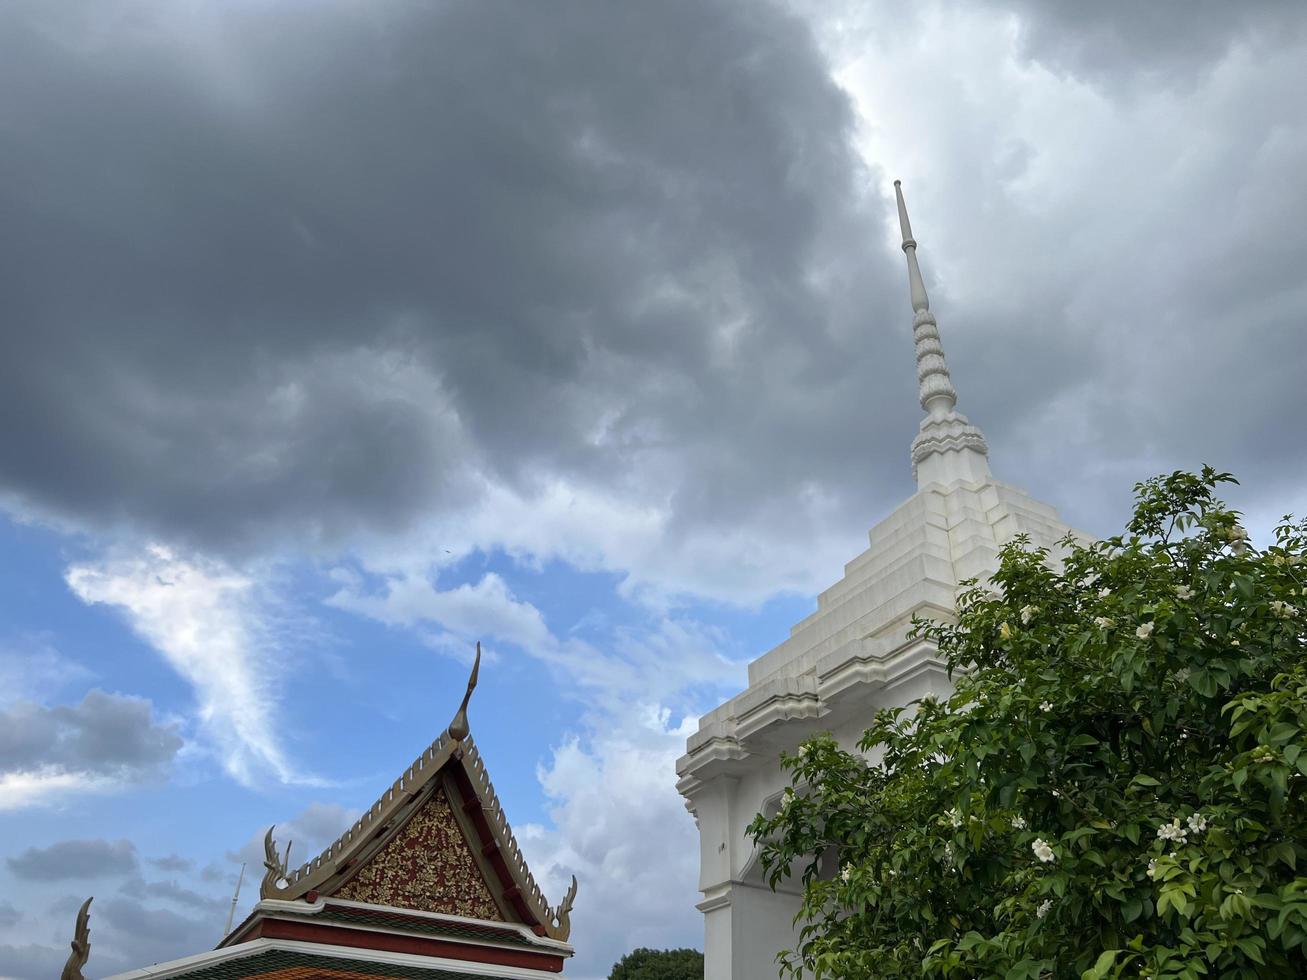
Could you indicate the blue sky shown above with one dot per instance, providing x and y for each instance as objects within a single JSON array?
[
  {"x": 337, "y": 336},
  {"x": 348, "y": 701}
]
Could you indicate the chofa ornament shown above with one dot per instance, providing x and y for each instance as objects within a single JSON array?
[
  {"x": 561, "y": 926},
  {"x": 81, "y": 945}
]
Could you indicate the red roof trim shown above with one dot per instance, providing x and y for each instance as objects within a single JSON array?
[{"x": 337, "y": 935}]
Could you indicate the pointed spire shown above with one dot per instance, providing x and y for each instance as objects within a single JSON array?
[
  {"x": 934, "y": 385},
  {"x": 459, "y": 728},
  {"x": 944, "y": 433}
]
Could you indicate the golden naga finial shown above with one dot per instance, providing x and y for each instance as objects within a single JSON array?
[
  {"x": 81, "y": 945},
  {"x": 458, "y": 728},
  {"x": 274, "y": 866},
  {"x": 563, "y": 916}
]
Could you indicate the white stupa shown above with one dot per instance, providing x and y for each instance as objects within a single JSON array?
[{"x": 850, "y": 657}]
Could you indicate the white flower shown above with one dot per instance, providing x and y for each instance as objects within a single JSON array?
[
  {"x": 1238, "y": 539},
  {"x": 787, "y": 798},
  {"x": 1183, "y": 592},
  {"x": 1144, "y": 631},
  {"x": 1042, "y": 850},
  {"x": 1005, "y": 631},
  {"x": 1283, "y": 609},
  {"x": 1026, "y": 613},
  {"x": 1103, "y": 622},
  {"x": 1152, "y": 867},
  {"x": 846, "y": 873},
  {"x": 1104, "y": 592},
  {"x": 1018, "y": 822},
  {"x": 1045, "y": 706},
  {"x": 1172, "y": 831},
  {"x": 1044, "y": 906},
  {"x": 1197, "y": 823},
  {"x": 1182, "y": 674},
  {"x": 954, "y": 818}
]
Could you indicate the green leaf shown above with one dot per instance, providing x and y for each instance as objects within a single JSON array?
[
  {"x": 1106, "y": 960},
  {"x": 1285, "y": 853}
]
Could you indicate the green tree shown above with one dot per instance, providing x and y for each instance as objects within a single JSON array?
[
  {"x": 1115, "y": 788},
  {"x": 659, "y": 964}
]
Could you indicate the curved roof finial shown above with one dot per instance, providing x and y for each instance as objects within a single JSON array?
[
  {"x": 81, "y": 944},
  {"x": 458, "y": 728}
]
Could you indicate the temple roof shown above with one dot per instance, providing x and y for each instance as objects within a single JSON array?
[
  {"x": 329, "y": 928},
  {"x": 436, "y": 841},
  {"x": 272, "y": 959},
  {"x": 429, "y": 884}
]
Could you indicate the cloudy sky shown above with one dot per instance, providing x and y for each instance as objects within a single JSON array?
[{"x": 338, "y": 334}]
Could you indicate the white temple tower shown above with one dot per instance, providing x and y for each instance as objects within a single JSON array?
[{"x": 849, "y": 658}]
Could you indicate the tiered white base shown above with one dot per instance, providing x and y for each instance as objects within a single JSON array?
[{"x": 842, "y": 663}]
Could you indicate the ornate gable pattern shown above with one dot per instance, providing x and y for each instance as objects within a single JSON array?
[
  {"x": 427, "y": 866},
  {"x": 436, "y": 841}
]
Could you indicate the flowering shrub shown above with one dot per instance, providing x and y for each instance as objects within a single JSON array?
[{"x": 1115, "y": 789}]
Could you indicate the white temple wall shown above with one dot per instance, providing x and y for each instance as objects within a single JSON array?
[{"x": 838, "y": 667}]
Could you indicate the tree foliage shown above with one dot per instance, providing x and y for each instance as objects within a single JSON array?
[
  {"x": 659, "y": 964},
  {"x": 1115, "y": 788}
]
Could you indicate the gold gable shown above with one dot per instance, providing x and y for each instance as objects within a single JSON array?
[
  {"x": 436, "y": 841},
  {"x": 428, "y": 866}
]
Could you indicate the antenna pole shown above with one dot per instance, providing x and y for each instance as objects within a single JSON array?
[{"x": 231, "y": 913}]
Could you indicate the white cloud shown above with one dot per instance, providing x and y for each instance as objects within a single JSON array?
[
  {"x": 659, "y": 661},
  {"x": 620, "y": 826},
  {"x": 210, "y": 625},
  {"x": 617, "y": 821},
  {"x": 470, "y": 610},
  {"x": 49, "y": 784}
]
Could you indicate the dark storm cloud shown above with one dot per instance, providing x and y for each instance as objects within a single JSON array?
[
  {"x": 143, "y": 935},
  {"x": 174, "y": 892},
  {"x": 1169, "y": 41},
  {"x": 106, "y": 735},
  {"x": 125, "y": 935},
  {"x": 266, "y": 269},
  {"x": 275, "y": 274},
  {"x": 1114, "y": 248},
  {"x": 75, "y": 859},
  {"x": 30, "y": 962},
  {"x": 172, "y": 862}
]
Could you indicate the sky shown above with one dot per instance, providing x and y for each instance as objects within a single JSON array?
[{"x": 338, "y": 335}]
